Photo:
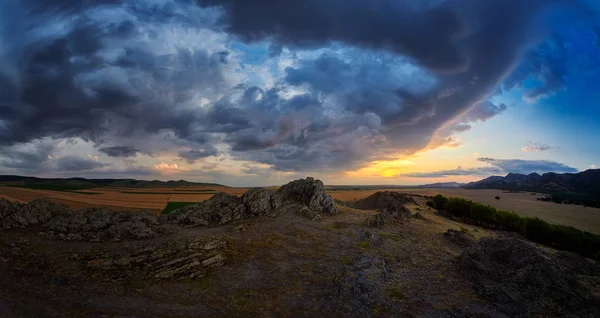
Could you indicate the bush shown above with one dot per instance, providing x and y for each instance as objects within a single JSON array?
[
  {"x": 535, "y": 229},
  {"x": 510, "y": 221},
  {"x": 438, "y": 202}
]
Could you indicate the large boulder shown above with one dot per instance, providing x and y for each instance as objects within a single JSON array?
[
  {"x": 522, "y": 280},
  {"x": 220, "y": 209},
  {"x": 100, "y": 224},
  {"x": 260, "y": 201},
  {"x": 309, "y": 193},
  {"x": 39, "y": 211},
  {"x": 223, "y": 208}
]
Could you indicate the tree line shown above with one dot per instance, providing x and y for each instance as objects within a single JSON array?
[{"x": 535, "y": 229}]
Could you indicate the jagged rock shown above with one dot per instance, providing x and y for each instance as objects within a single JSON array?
[
  {"x": 39, "y": 211},
  {"x": 220, "y": 209},
  {"x": 385, "y": 200},
  {"x": 260, "y": 201},
  {"x": 8, "y": 207},
  {"x": 310, "y": 193},
  {"x": 172, "y": 260},
  {"x": 459, "y": 238},
  {"x": 100, "y": 224},
  {"x": 522, "y": 280}
]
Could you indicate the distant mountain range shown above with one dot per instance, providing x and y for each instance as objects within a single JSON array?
[
  {"x": 583, "y": 183},
  {"x": 82, "y": 183}
]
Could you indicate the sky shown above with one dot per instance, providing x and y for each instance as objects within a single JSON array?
[{"x": 262, "y": 92}]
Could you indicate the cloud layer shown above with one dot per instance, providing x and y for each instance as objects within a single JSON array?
[{"x": 295, "y": 85}]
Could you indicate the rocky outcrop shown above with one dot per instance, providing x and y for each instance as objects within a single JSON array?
[
  {"x": 173, "y": 260},
  {"x": 17, "y": 215},
  {"x": 100, "y": 224},
  {"x": 385, "y": 200},
  {"x": 523, "y": 280},
  {"x": 259, "y": 201},
  {"x": 459, "y": 238},
  {"x": 308, "y": 194},
  {"x": 220, "y": 209}
]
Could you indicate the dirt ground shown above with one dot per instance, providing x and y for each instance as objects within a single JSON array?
[{"x": 287, "y": 266}]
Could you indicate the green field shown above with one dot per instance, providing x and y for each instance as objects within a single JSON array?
[{"x": 172, "y": 206}]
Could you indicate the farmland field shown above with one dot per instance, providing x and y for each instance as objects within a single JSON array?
[
  {"x": 156, "y": 200},
  {"x": 127, "y": 199},
  {"x": 523, "y": 203}
]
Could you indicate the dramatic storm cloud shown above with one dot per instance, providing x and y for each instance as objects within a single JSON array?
[{"x": 281, "y": 86}]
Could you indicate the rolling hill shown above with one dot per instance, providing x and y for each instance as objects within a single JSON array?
[{"x": 68, "y": 184}]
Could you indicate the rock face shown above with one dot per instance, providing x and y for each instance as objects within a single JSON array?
[
  {"x": 223, "y": 208},
  {"x": 174, "y": 260},
  {"x": 219, "y": 209},
  {"x": 259, "y": 201},
  {"x": 385, "y": 200},
  {"x": 522, "y": 280},
  {"x": 459, "y": 238},
  {"x": 310, "y": 193},
  {"x": 100, "y": 224},
  {"x": 16, "y": 215}
]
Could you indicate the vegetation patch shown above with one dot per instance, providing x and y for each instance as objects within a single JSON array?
[
  {"x": 172, "y": 206},
  {"x": 558, "y": 236}
]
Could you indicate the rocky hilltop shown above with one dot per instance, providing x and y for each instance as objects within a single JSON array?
[
  {"x": 99, "y": 224},
  {"x": 307, "y": 196},
  {"x": 387, "y": 255}
]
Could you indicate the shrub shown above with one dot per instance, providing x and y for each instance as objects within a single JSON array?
[
  {"x": 537, "y": 230},
  {"x": 510, "y": 221},
  {"x": 438, "y": 202}
]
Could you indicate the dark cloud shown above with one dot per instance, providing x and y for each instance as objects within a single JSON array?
[
  {"x": 548, "y": 64},
  {"x": 483, "y": 111},
  {"x": 165, "y": 74},
  {"x": 370, "y": 24},
  {"x": 26, "y": 158},
  {"x": 193, "y": 156},
  {"x": 73, "y": 163},
  {"x": 499, "y": 167},
  {"x": 119, "y": 151}
]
